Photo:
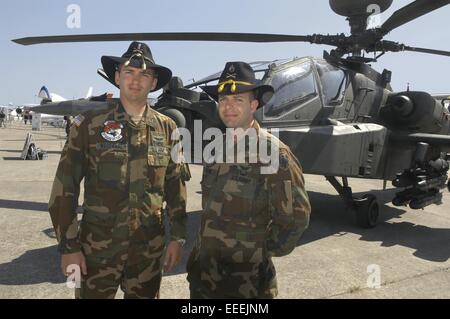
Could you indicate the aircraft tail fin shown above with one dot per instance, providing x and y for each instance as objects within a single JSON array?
[
  {"x": 44, "y": 94},
  {"x": 89, "y": 92}
]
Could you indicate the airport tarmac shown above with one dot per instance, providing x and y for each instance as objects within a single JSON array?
[{"x": 409, "y": 250}]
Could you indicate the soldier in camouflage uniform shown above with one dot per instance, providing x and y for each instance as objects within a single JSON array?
[
  {"x": 123, "y": 154},
  {"x": 248, "y": 216}
]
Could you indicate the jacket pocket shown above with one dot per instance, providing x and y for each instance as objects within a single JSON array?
[
  {"x": 157, "y": 167},
  {"x": 239, "y": 194},
  {"x": 112, "y": 170},
  {"x": 96, "y": 233}
]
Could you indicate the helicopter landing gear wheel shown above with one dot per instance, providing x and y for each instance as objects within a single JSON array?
[
  {"x": 366, "y": 208},
  {"x": 367, "y": 211}
]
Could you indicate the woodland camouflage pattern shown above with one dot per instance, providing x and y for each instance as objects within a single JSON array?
[
  {"x": 247, "y": 218},
  {"x": 128, "y": 174}
]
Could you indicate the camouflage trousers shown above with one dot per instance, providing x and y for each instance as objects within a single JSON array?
[
  {"x": 209, "y": 279},
  {"x": 199, "y": 292},
  {"x": 137, "y": 270}
]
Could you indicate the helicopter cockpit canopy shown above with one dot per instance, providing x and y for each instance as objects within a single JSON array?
[
  {"x": 333, "y": 82},
  {"x": 293, "y": 83}
]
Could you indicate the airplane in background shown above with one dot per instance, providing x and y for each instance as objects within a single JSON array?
[{"x": 49, "y": 97}]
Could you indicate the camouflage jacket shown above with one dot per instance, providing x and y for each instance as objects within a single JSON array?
[
  {"x": 128, "y": 174},
  {"x": 248, "y": 217}
]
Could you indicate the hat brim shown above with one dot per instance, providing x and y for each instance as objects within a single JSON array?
[
  {"x": 264, "y": 92},
  {"x": 111, "y": 63}
]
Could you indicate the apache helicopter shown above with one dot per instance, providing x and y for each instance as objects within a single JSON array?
[{"x": 337, "y": 114}]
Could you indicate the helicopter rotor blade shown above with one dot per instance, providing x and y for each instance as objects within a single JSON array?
[
  {"x": 429, "y": 51},
  {"x": 390, "y": 46},
  {"x": 171, "y": 36},
  {"x": 410, "y": 12}
]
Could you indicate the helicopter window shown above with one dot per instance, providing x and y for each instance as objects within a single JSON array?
[
  {"x": 333, "y": 82},
  {"x": 293, "y": 86}
]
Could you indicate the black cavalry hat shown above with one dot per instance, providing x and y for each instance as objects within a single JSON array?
[
  {"x": 239, "y": 77},
  {"x": 138, "y": 55}
]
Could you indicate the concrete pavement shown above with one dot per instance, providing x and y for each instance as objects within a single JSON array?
[{"x": 409, "y": 250}]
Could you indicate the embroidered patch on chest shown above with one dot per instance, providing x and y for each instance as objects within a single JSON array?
[
  {"x": 158, "y": 140},
  {"x": 112, "y": 131}
]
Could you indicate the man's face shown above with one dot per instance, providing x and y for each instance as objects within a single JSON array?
[
  {"x": 135, "y": 83},
  {"x": 236, "y": 111}
]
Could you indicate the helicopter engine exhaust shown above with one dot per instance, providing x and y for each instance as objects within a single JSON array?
[{"x": 414, "y": 111}]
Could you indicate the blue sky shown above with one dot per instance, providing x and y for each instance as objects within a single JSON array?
[{"x": 70, "y": 69}]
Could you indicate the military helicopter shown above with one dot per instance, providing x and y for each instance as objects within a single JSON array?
[{"x": 339, "y": 115}]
